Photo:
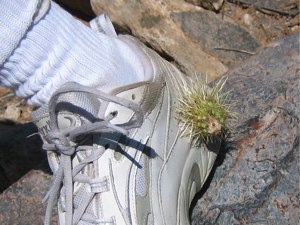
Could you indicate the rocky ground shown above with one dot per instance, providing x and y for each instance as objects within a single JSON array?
[{"x": 254, "y": 43}]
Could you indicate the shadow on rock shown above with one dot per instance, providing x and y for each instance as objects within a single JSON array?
[{"x": 20, "y": 152}]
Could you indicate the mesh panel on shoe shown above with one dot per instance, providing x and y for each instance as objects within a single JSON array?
[
  {"x": 79, "y": 103},
  {"x": 80, "y": 195},
  {"x": 82, "y": 101},
  {"x": 141, "y": 179},
  {"x": 83, "y": 223},
  {"x": 150, "y": 219}
]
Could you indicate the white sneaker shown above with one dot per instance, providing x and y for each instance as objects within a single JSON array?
[{"x": 118, "y": 158}]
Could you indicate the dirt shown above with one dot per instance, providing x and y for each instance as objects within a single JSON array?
[{"x": 263, "y": 25}]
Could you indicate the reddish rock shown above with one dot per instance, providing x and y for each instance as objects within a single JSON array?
[{"x": 22, "y": 202}]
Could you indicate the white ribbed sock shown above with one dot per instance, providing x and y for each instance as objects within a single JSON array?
[
  {"x": 15, "y": 18},
  {"x": 59, "y": 49}
]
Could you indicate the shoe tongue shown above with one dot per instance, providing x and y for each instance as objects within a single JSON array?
[{"x": 72, "y": 109}]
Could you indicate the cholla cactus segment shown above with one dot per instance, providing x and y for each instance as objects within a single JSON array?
[{"x": 202, "y": 111}]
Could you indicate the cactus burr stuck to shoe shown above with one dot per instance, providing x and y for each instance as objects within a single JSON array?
[{"x": 203, "y": 111}]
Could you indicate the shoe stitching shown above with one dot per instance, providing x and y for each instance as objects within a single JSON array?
[
  {"x": 167, "y": 90},
  {"x": 124, "y": 210},
  {"x": 144, "y": 143}
]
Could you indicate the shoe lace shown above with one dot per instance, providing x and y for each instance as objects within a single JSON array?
[{"x": 64, "y": 143}]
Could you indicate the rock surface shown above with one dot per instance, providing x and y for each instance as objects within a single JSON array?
[
  {"x": 151, "y": 22},
  {"x": 196, "y": 39},
  {"x": 218, "y": 35},
  {"x": 22, "y": 202},
  {"x": 257, "y": 181},
  {"x": 283, "y": 7}
]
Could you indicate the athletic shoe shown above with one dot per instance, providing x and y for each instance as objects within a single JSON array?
[{"x": 119, "y": 158}]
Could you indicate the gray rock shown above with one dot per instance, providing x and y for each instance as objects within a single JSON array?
[
  {"x": 218, "y": 35},
  {"x": 257, "y": 181},
  {"x": 282, "y": 7}
]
